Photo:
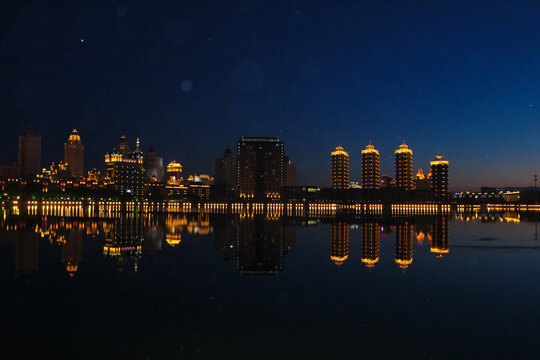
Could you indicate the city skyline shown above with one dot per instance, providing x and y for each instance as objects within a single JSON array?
[{"x": 376, "y": 77}]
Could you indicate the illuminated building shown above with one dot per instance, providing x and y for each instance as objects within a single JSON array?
[
  {"x": 259, "y": 246},
  {"x": 404, "y": 167},
  {"x": 74, "y": 154},
  {"x": 340, "y": 169},
  {"x": 439, "y": 178},
  {"x": 339, "y": 248},
  {"x": 225, "y": 169},
  {"x": 202, "y": 178},
  {"x": 439, "y": 236},
  {"x": 289, "y": 172},
  {"x": 72, "y": 252},
  {"x": 371, "y": 171},
  {"x": 94, "y": 176},
  {"x": 421, "y": 181},
  {"x": 153, "y": 166},
  {"x": 174, "y": 173},
  {"x": 260, "y": 167},
  {"x": 124, "y": 173},
  {"x": 29, "y": 157},
  {"x": 404, "y": 245},
  {"x": 371, "y": 240},
  {"x": 60, "y": 171}
]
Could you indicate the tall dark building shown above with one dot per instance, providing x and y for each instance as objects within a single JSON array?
[
  {"x": 404, "y": 245},
  {"x": 153, "y": 166},
  {"x": 371, "y": 240},
  {"x": 371, "y": 168},
  {"x": 260, "y": 167},
  {"x": 439, "y": 178},
  {"x": 404, "y": 167},
  {"x": 340, "y": 168},
  {"x": 289, "y": 170},
  {"x": 339, "y": 248},
  {"x": 74, "y": 154},
  {"x": 29, "y": 159},
  {"x": 225, "y": 169}
]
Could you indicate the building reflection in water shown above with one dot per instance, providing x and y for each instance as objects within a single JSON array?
[
  {"x": 225, "y": 235},
  {"x": 371, "y": 243},
  {"x": 259, "y": 246},
  {"x": 26, "y": 252},
  {"x": 339, "y": 248},
  {"x": 72, "y": 252},
  {"x": 404, "y": 244},
  {"x": 259, "y": 241},
  {"x": 439, "y": 236},
  {"x": 174, "y": 225},
  {"x": 124, "y": 241}
]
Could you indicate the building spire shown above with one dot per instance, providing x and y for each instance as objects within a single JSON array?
[{"x": 137, "y": 148}]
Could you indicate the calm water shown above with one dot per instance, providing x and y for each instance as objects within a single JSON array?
[{"x": 216, "y": 286}]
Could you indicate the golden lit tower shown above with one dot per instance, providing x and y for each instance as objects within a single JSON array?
[
  {"x": 174, "y": 173},
  {"x": 371, "y": 239},
  {"x": 29, "y": 153},
  {"x": 340, "y": 243},
  {"x": 340, "y": 169},
  {"x": 371, "y": 170},
  {"x": 439, "y": 178},
  {"x": 439, "y": 233},
  {"x": 74, "y": 154},
  {"x": 404, "y": 245},
  {"x": 404, "y": 168}
]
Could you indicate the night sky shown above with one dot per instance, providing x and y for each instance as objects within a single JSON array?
[{"x": 190, "y": 77}]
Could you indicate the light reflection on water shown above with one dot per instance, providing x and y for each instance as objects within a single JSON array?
[{"x": 380, "y": 286}]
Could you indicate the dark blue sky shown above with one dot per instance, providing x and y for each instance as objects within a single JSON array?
[{"x": 457, "y": 77}]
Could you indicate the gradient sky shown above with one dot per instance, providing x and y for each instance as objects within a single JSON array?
[{"x": 457, "y": 77}]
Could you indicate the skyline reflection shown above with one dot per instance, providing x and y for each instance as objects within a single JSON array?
[{"x": 258, "y": 242}]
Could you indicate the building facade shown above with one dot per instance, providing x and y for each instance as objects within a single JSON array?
[
  {"x": 260, "y": 167},
  {"x": 225, "y": 169},
  {"x": 404, "y": 168},
  {"x": 153, "y": 166},
  {"x": 340, "y": 168},
  {"x": 371, "y": 168},
  {"x": 289, "y": 172},
  {"x": 74, "y": 154},
  {"x": 439, "y": 178},
  {"x": 29, "y": 157}
]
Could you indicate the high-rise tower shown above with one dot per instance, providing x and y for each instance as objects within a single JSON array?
[
  {"x": 74, "y": 154},
  {"x": 439, "y": 178},
  {"x": 371, "y": 170},
  {"x": 29, "y": 159},
  {"x": 404, "y": 167},
  {"x": 153, "y": 166},
  {"x": 225, "y": 169},
  {"x": 340, "y": 168},
  {"x": 260, "y": 167}
]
